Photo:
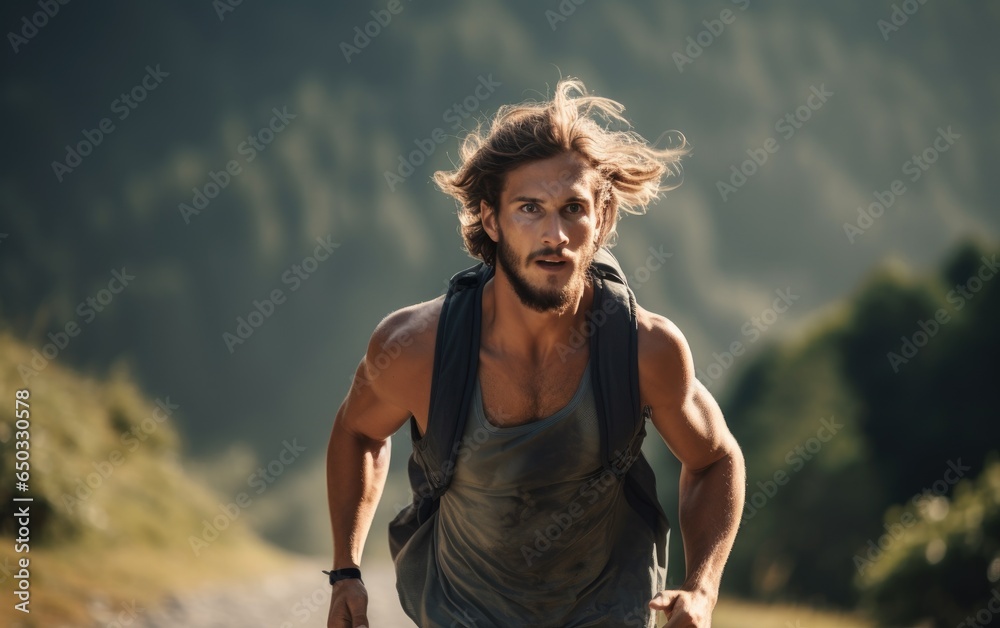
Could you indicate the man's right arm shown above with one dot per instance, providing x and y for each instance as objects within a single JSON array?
[{"x": 357, "y": 461}]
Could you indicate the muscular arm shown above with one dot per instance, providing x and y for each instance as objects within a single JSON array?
[
  {"x": 357, "y": 461},
  {"x": 389, "y": 385},
  {"x": 713, "y": 477}
]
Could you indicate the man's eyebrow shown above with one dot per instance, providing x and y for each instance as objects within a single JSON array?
[
  {"x": 531, "y": 199},
  {"x": 526, "y": 199}
]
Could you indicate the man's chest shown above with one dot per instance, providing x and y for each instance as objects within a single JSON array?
[{"x": 515, "y": 394}]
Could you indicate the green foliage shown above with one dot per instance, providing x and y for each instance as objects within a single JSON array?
[
  {"x": 950, "y": 558},
  {"x": 902, "y": 424},
  {"x": 104, "y": 467}
]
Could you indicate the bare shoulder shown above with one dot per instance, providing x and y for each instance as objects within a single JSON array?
[
  {"x": 406, "y": 336},
  {"x": 398, "y": 365},
  {"x": 666, "y": 367}
]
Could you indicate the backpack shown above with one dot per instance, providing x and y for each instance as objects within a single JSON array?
[{"x": 613, "y": 335}]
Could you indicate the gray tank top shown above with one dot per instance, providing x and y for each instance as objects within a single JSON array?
[{"x": 531, "y": 532}]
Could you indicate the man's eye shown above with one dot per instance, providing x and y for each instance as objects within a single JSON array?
[
  {"x": 574, "y": 208},
  {"x": 528, "y": 207}
]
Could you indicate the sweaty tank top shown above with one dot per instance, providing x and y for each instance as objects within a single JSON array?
[{"x": 531, "y": 532}]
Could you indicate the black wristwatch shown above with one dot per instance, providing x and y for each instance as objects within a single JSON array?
[{"x": 344, "y": 574}]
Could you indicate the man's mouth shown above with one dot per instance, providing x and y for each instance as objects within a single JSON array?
[{"x": 551, "y": 264}]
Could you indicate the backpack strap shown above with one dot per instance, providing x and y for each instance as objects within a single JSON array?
[
  {"x": 432, "y": 463},
  {"x": 456, "y": 360},
  {"x": 615, "y": 367}
]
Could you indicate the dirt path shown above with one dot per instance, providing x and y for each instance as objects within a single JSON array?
[{"x": 299, "y": 598}]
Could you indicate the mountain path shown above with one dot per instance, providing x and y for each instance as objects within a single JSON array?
[{"x": 297, "y": 598}]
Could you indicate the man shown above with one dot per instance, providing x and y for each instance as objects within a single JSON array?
[{"x": 539, "y": 194}]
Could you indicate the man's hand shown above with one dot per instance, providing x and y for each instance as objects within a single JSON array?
[
  {"x": 348, "y": 605},
  {"x": 685, "y": 609}
]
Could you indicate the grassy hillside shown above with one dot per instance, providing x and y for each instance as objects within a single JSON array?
[{"x": 114, "y": 514}]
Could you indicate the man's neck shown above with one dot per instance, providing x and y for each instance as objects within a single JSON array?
[{"x": 511, "y": 328}]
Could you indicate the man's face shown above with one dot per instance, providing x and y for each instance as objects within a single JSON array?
[{"x": 546, "y": 230}]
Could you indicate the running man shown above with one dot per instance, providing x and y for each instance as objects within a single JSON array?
[{"x": 540, "y": 190}]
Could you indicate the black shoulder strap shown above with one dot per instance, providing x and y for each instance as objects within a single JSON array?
[
  {"x": 615, "y": 364},
  {"x": 456, "y": 358}
]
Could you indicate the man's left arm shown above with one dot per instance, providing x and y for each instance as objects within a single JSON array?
[{"x": 713, "y": 477}]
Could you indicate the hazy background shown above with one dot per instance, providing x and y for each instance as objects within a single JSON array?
[{"x": 324, "y": 176}]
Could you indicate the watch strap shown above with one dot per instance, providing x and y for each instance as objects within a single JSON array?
[{"x": 336, "y": 575}]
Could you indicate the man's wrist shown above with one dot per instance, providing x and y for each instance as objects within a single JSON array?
[
  {"x": 704, "y": 589},
  {"x": 347, "y": 573}
]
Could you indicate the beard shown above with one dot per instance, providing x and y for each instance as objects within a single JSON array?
[{"x": 542, "y": 299}]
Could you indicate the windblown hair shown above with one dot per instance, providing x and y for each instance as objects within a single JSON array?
[{"x": 629, "y": 170}]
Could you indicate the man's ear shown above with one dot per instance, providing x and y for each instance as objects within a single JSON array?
[{"x": 489, "y": 217}]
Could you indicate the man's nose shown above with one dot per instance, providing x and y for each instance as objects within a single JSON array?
[{"x": 553, "y": 234}]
